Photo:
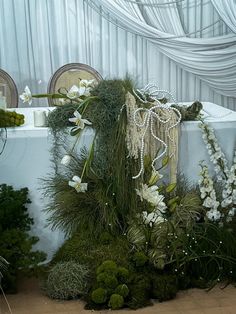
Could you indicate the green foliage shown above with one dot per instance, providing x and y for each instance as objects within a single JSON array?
[
  {"x": 10, "y": 118},
  {"x": 164, "y": 287},
  {"x": 88, "y": 250},
  {"x": 123, "y": 274},
  {"x": 215, "y": 254},
  {"x": 111, "y": 196},
  {"x": 140, "y": 287},
  {"x": 116, "y": 301},
  {"x": 140, "y": 259},
  {"x": 99, "y": 296},
  {"x": 67, "y": 280},
  {"x": 15, "y": 242},
  {"x": 122, "y": 290},
  {"x": 13, "y": 211},
  {"x": 107, "y": 280},
  {"x": 58, "y": 119},
  {"x": 109, "y": 267}
]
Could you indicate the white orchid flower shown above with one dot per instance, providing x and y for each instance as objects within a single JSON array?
[
  {"x": 26, "y": 96},
  {"x": 78, "y": 185},
  {"x": 74, "y": 92},
  {"x": 79, "y": 121},
  {"x": 66, "y": 160},
  {"x": 85, "y": 86},
  {"x": 151, "y": 195}
]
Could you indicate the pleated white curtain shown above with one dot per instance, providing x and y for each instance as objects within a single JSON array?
[
  {"x": 39, "y": 36},
  {"x": 213, "y": 59},
  {"x": 227, "y": 11}
]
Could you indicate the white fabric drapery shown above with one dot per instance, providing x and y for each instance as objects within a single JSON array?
[
  {"x": 212, "y": 59},
  {"x": 227, "y": 11},
  {"x": 37, "y": 37}
]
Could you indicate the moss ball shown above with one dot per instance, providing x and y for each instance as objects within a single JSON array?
[
  {"x": 122, "y": 290},
  {"x": 116, "y": 301},
  {"x": 108, "y": 267},
  {"x": 123, "y": 274},
  {"x": 107, "y": 280},
  {"x": 99, "y": 296},
  {"x": 140, "y": 259}
]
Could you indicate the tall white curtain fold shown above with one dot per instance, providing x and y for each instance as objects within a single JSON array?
[
  {"x": 37, "y": 37},
  {"x": 227, "y": 11},
  {"x": 213, "y": 60}
]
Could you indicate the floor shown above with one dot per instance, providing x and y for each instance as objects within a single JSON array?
[{"x": 30, "y": 300}]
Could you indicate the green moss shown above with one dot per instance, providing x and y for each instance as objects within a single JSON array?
[
  {"x": 140, "y": 288},
  {"x": 107, "y": 280},
  {"x": 122, "y": 290},
  {"x": 164, "y": 287},
  {"x": 109, "y": 267},
  {"x": 105, "y": 238},
  {"x": 123, "y": 274},
  {"x": 116, "y": 301},
  {"x": 99, "y": 296},
  {"x": 87, "y": 250},
  {"x": 140, "y": 259}
]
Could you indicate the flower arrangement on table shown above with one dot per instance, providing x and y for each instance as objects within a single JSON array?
[{"x": 137, "y": 235}]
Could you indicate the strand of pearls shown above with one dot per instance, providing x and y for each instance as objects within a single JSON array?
[{"x": 144, "y": 95}]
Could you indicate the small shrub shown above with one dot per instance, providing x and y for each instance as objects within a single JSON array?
[
  {"x": 67, "y": 280},
  {"x": 140, "y": 259},
  {"x": 107, "y": 280},
  {"x": 99, "y": 296},
  {"x": 108, "y": 267},
  {"x": 164, "y": 287},
  {"x": 122, "y": 290},
  {"x": 116, "y": 301},
  {"x": 123, "y": 274}
]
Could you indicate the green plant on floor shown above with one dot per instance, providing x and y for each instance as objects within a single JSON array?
[
  {"x": 110, "y": 286},
  {"x": 67, "y": 280},
  {"x": 15, "y": 242}
]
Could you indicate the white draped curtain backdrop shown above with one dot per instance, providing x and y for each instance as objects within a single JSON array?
[{"x": 186, "y": 46}]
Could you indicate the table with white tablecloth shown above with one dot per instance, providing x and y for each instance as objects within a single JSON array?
[{"x": 26, "y": 160}]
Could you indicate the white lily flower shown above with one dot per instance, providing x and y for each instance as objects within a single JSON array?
[
  {"x": 151, "y": 195},
  {"x": 66, "y": 160},
  {"x": 74, "y": 92},
  {"x": 77, "y": 185},
  {"x": 26, "y": 96},
  {"x": 79, "y": 121}
]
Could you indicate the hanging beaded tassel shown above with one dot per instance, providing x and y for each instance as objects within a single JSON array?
[{"x": 161, "y": 119}]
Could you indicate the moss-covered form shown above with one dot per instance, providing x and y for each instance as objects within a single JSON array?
[
  {"x": 107, "y": 280},
  {"x": 140, "y": 259},
  {"x": 122, "y": 290},
  {"x": 99, "y": 296},
  {"x": 164, "y": 287},
  {"x": 10, "y": 118},
  {"x": 109, "y": 267},
  {"x": 140, "y": 288},
  {"x": 87, "y": 250},
  {"x": 116, "y": 301},
  {"x": 123, "y": 274}
]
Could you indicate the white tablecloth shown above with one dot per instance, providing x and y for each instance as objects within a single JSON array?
[{"x": 26, "y": 159}]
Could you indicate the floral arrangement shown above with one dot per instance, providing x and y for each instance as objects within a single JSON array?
[
  {"x": 139, "y": 235},
  {"x": 224, "y": 209}
]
